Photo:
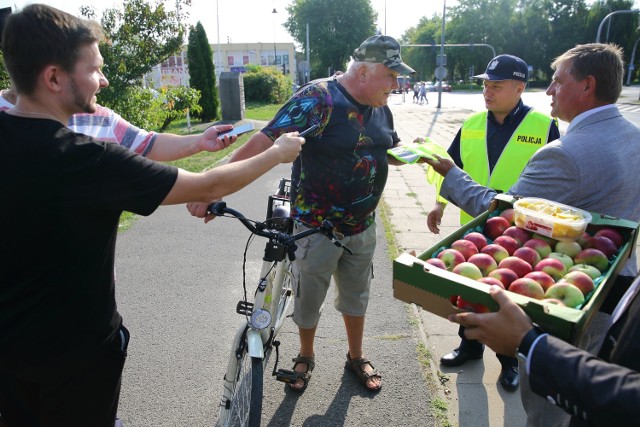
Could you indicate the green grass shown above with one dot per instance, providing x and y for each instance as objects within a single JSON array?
[{"x": 255, "y": 111}]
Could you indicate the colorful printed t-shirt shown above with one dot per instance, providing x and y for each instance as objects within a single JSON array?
[{"x": 342, "y": 168}]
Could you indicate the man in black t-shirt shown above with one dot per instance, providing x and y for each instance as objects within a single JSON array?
[{"x": 62, "y": 339}]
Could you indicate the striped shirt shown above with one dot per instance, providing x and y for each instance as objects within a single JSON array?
[{"x": 106, "y": 125}]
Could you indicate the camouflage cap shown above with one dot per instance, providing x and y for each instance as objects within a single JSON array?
[{"x": 382, "y": 50}]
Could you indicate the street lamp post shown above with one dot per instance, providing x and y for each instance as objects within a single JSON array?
[
  {"x": 444, "y": 11},
  {"x": 275, "y": 62}
]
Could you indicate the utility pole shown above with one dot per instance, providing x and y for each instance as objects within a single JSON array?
[{"x": 444, "y": 11}]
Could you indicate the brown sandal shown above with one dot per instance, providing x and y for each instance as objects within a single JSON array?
[
  {"x": 363, "y": 376},
  {"x": 304, "y": 376}
]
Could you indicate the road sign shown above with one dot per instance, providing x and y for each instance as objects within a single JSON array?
[{"x": 441, "y": 73}]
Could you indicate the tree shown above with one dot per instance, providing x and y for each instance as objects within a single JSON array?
[
  {"x": 4, "y": 76},
  {"x": 139, "y": 36},
  {"x": 333, "y": 34},
  {"x": 177, "y": 100},
  {"x": 202, "y": 75},
  {"x": 266, "y": 85}
]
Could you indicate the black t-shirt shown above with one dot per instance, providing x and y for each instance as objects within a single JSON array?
[{"x": 62, "y": 196}]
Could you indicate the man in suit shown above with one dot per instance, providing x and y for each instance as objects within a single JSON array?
[
  {"x": 493, "y": 146},
  {"x": 593, "y": 167},
  {"x": 602, "y": 391}
]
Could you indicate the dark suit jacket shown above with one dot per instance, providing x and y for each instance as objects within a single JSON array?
[{"x": 597, "y": 392}]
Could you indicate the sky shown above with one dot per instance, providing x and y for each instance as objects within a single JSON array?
[{"x": 245, "y": 21}]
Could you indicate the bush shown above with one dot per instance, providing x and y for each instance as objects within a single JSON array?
[{"x": 266, "y": 85}]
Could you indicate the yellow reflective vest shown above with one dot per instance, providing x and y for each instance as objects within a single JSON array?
[{"x": 529, "y": 136}]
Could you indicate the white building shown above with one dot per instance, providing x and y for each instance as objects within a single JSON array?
[{"x": 229, "y": 57}]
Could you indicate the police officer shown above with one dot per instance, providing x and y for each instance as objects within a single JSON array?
[{"x": 493, "y": 147}]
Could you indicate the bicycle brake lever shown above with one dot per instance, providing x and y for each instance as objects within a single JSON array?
[{"x": 334, "y": 236}]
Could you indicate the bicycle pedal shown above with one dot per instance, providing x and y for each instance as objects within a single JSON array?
[
  {"x": 287, "y": 376},
  {"x": 244, "y": 307}
]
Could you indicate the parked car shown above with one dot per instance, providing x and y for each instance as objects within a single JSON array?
[
  {"x": 430, "y": 86},
  {"x": 404, "y": 84},
  {"x": 446, "y": 87}
]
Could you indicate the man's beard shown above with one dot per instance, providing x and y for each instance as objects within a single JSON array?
[{"x": 79, "y": 102}]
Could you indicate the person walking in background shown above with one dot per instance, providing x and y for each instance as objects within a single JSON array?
[
  {"x": 592, "y": 167},
  {"x": 416, "y": 92},
  {"x": 63, "y": 341},
  {"x": 339, "y": 176},
  {"x": 423, "y": 93},
  {"x": 493, "y": 147}
]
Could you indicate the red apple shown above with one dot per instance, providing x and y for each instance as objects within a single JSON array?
[
  {"x": 497, "y": 252},
  {"x": 508, "y": 214},
  {"x": 436, "y": 262},
  {"x": 465, "y": 247},
  {"x": 517, "y": 265},
  {"x": 520, "y": 234},
  {"x": 569, "y": 294},
  {"x": 542, "y": 247},
  {"x": 552, "y": 242},
  {"x": 603, "y": 244},
  {"x": 505, "y": 275},
  {"x": 552, "y": 266},
  {"x": 581, "y": 280},
  {"x": 593, "y": 272},
  {"x": 541, "y": 277},
  {"x": 528, "y": 254},
  {"x": 484, "y": 262},
  {"x": 477, "y": 239},
  {"x": 495, "y": 226},
  {"x": 467, "y": 269},
  {"x": 509, "y": 243},
  {"x": 593, "y": 257},
  {"x": 614, "y": 235},
  {"x": 527, "y": 287},
  {"x": 565, "y": 259},
  {"x": 583, "y": 239},
  {"x": 491, "y": 281},
  {"x": 568, "y": 248},
  {"x": 451, "y": 258},
  {"x": 471, "y": 306}
]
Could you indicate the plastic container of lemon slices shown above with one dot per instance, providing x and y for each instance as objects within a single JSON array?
[{"x": 551, "y": 219}]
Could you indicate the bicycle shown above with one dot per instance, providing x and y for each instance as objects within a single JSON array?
[{"x": 241, "y": 402}]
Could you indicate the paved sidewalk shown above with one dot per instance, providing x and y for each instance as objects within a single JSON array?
[{"x": 474, "y": 396}]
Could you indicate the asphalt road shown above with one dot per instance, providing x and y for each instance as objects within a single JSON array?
[{"x": 178, "y": 282}]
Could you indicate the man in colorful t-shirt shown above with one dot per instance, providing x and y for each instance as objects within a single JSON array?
[{"x": 339, "y": 175}]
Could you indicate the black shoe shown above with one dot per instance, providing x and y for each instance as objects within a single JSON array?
[
  {"x": 457, "y": 357},
  {"x": 509, "y": 378}
]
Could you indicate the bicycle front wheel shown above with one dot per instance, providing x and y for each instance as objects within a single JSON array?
[{"x": 245, "y": 403}]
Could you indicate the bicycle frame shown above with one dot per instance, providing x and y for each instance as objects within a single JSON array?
[
  {"x": 268, "y": 304},
  {"x": 256, "y": 337}
]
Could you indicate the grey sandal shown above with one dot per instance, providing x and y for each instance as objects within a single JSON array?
[{"x": 304, "y": 376}]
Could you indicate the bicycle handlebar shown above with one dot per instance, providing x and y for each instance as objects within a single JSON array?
[{"x": 260, "y": 229}]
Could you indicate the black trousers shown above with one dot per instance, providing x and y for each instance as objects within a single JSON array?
[
  {"x": 87, "y": 396},
  {"x": 477, "y": 348}
]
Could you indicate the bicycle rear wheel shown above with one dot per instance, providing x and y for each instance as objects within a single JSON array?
[{"x": 244, "y": 408}]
